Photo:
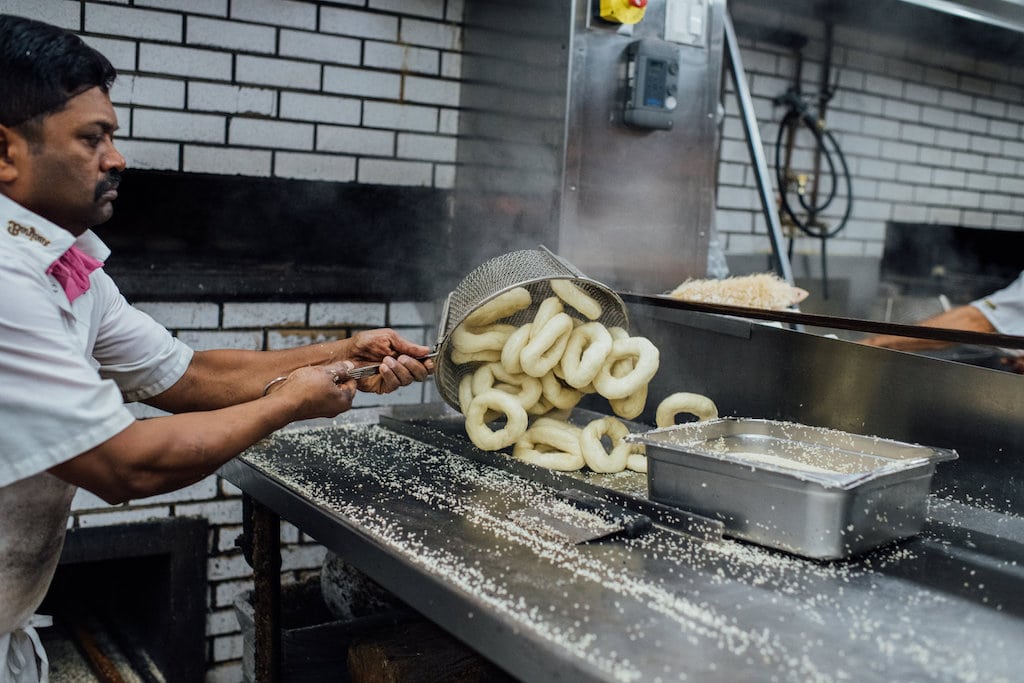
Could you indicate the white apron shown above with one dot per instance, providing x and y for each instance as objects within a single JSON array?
[
  {"x": 33, "y": 521},
  {"x": 22, "y": 658}
]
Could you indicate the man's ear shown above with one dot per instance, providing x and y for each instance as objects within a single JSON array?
[{"x": 9, "y": 141}]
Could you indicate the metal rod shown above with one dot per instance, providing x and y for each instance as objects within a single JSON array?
[
  {"x": 755, "y": 146},
  {"x": 266, "y": 563},
  {"x": 1006, "y": 341},
  {"x": 823, "y": 97}
]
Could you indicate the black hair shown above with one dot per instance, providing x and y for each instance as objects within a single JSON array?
[{"x": 42, "y": 67}]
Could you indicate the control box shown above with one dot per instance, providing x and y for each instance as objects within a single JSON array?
[{"x": 652, "y": 82}]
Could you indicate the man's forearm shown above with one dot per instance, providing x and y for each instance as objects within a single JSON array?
[
  {"x": 966, "y": 318},
  {"x": 225, "y": 377}
]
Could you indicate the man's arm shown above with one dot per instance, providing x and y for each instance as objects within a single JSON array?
[
  {"x": 225, "y": 377},
  {"x": 222, "y": 411},
  {"x": 960, "y": 318},
  {"x": 162, "y": 454}
]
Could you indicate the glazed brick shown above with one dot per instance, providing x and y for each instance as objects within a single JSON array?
[
  {"x": 136, "y": 23},
  {"x": 185, "y": 314},
  {"x": 264, "y": 315},
  {"x": 224, "y": 160},
  {"x": 347, "y": 314}
]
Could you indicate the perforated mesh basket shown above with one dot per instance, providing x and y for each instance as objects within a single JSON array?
[{"x": 529, "y": 268}]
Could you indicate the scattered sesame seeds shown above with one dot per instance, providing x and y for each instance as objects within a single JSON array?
[{"x": 662, "y": 606}]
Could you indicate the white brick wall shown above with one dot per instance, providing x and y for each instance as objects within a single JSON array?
[
  {"x": 257, "y": 81},
  {"x": 931, "y": 136},
  {"x": 227, "y": 161}
]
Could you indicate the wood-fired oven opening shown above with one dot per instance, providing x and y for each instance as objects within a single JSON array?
[{"x": 128, "y": 603}]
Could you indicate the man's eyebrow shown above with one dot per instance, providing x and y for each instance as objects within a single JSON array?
[{"x": 105, "y": 126}]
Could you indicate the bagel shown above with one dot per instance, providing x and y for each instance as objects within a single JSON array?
[
  {"x": 465, "y": 393},
  {"x": 702, "y": 407},
  {"x": 557, "y": 394},
  {"x": 514, "y": 347},
  {"x": 466, "y": 397},
  {"x": 551, "y": 444},
  {"x": 585, "y": 354},
  {"x": 547, "y": 310},
  {"x": 483, "y": 436},
  {"x": 633, "y": 405},
  {"x": 645, "y": 358},
  {"x": 468, "y": 339},
  {"x": 571, "y": 294},
  {"x": 526, "y": 389},
  {"x": 501, "y": 306},
  {"x": 594, "y": 454},
  {"x": 636, "y": 462},
  {"x": 541, "y": 407},
  {"x": 618, "y": 333},
  {"x": 461, "y": 358},
  {"x": 561, "y": 414},
  {"x": 546, "y": 345}
]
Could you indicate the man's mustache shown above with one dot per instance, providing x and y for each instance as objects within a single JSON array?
[{"x": 111, "y": 182}]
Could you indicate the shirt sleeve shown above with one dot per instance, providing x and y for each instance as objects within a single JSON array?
[
  {"x": 58, "y": 400},
  {"x": 1005, "y": 308},
  {"x": 53, "y": 406},
  {"x": 135, "y": 351}
]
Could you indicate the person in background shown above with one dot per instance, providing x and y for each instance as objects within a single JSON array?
[
  {"x": 1001, "y": 311},
  {"x": 73, "y": 351}
]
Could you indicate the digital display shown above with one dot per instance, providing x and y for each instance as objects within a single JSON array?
[{"x": 654, "y": 83}]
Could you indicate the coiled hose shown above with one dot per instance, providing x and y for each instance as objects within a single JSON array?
[{"x": 826, "y": 146}]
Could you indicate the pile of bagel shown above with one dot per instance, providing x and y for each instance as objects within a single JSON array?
[{"x": 533, "y": 375}]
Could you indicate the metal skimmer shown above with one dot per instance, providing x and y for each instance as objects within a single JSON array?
[
  {"x": 370, "y": 370},
  {"x": 529, "y": 268}
]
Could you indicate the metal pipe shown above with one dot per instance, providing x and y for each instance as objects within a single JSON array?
[
  {"x": 754, "y": 145},
  {"x": 265, "y": 537}
]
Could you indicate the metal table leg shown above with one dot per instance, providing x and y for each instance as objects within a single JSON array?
[{"x": 261, "y": 544}]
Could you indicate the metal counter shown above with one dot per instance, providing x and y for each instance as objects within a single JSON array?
[{"x": 432, "y": 526}]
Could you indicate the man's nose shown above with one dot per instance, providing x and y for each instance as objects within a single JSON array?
[{"x": 114, "y": 159}]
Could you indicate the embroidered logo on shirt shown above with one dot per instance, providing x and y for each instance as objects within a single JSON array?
[{"x": 18, "y": 229}]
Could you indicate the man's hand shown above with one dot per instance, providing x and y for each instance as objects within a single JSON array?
[
  {"x": 1014, "y": 364},
  {"x": 318, "y": 391},
  {"x": 397, "y": 357}
]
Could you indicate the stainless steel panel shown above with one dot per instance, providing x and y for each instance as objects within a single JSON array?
[
  {"x": 819, "y": 493},
  {"x": 544, "y": 156},
  {"x": 755, "y": 370}
]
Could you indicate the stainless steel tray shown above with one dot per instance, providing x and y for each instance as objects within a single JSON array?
[{"x": 815, "y": 492}]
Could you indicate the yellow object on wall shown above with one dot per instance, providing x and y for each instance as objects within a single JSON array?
[{"x": 623, "y": 11}]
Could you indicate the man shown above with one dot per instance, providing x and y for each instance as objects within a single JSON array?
[
  {"x": 72, "y": 350},
  {"x": 1001, "y": 311}
]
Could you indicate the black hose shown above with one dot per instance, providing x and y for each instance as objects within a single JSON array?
[
  {"x": 828, "y": 148},
  {"x": 831, "y": 152}
]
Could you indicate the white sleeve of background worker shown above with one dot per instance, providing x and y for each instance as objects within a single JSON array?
[{"x": 1005, "y": 308}]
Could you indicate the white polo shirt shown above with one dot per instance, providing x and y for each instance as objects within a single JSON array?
[
  {"x": 1005, "y": 308},
  {"x": 66, "y": 370}
]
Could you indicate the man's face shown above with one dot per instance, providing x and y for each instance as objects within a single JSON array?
[{"x": 70, "y": 176}]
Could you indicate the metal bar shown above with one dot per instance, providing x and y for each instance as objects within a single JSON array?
[
  {"x": 755, "y": 146},
  {"x": 1007, "y": 341},
  {"x": 265, "y": 537},
  {"x": 370, "y": 370},
  {"x": 1004, "y": 14}
]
